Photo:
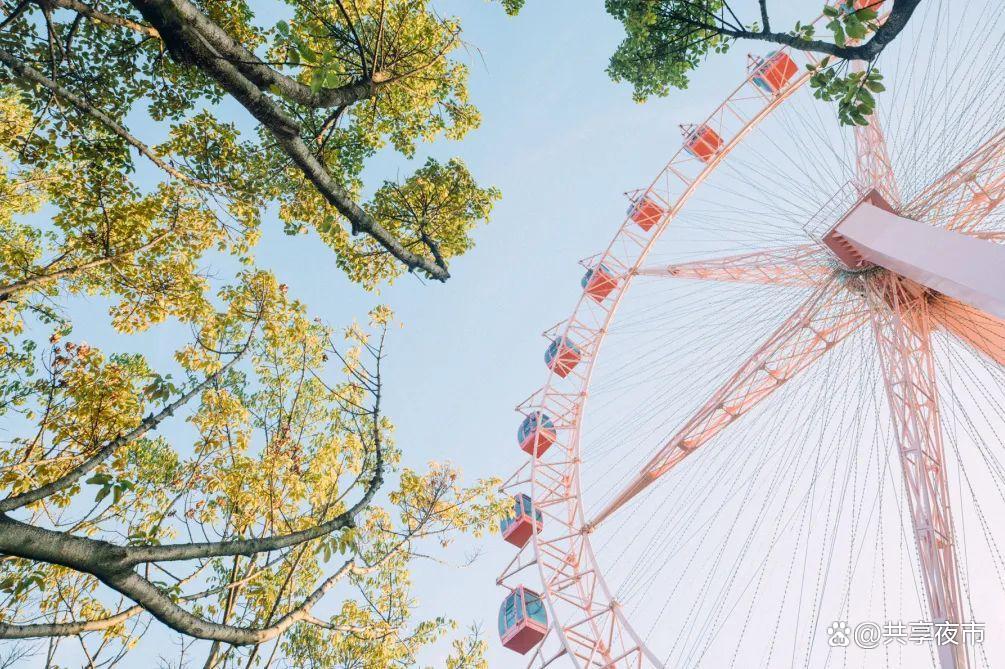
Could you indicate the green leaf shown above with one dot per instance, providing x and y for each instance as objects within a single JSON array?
[
  {"x": 318, "y": 80},
  {"x": 856, "y": 30},
  {"x": 839, "y": 37}
]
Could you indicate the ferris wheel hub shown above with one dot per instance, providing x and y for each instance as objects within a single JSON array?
[{"x": 963, "y": 267}]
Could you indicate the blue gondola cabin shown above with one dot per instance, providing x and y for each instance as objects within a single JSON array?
[
  {"x": 518, "y": 527},
  {"x": 773, "y": 72},
  {"x": 645, "y": 213},
  {"x": 599, "y": 282},
  {"x": 536, "y": 433},
  {"x": 523, "y": 621},
  {"x": 701, "y": 142},
  {"x": 562, "y": 356}
]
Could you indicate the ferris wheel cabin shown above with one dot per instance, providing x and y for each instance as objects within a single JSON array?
[
  {"x": 523, "y": 621},
  {"x": 645, "y": 213},
  {"x": 536, "y": 433},
  {"x": 518, "y": 527},
  {"x": 772, "y": 72},
  {"x": 701, "y": 142},
  {"x": 562, "y": 356},
  {"x": 599, "y": 282}
]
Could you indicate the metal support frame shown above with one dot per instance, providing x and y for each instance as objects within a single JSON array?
[{"x": 903, "y": 327}]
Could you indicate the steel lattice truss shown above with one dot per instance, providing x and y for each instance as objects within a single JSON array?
[{"x": 586, "y": 619}]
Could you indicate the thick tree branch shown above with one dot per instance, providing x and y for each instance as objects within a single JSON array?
[
  {"x": 895, "y": 22},
  {"x": 191, "y": 46},
  {"x": 106, "y": 562},
  {"x": 114, "y": 565},
  {"x": 257, "y": 72}
]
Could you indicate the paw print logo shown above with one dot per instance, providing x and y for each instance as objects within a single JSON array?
[{"x": 838, "y": 634}]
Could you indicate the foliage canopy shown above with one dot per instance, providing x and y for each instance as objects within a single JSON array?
[
  {"x": 667, "y": 40},
  {"x": 227, "y": 492}
]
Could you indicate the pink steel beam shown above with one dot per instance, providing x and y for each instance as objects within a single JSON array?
[
  {"x": 963, "y": 197},
  {"x": 803, "y": 265},
  {"x": 984, "y": 333},
  {"x": 902, "y": 325},
  {"x": 831, "y": 313},
  {"x": 873, "y": 168},
  {"x": 960, "y": 266}
]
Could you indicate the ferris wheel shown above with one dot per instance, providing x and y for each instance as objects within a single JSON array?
[{"x": 771, "y": 430}]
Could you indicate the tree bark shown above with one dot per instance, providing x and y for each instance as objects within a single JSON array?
[{"x": 188, "y": 44}]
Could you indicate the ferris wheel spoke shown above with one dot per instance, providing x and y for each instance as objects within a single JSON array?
[
  {"x": 966, "y": 195},
  {"x": 873, "y": 168},
  {"x": 827, "y": 317},
  {"x": 803, "y": 265},
  {"x": 902, "y": 324},
  {"x": 983, "y": 332}
]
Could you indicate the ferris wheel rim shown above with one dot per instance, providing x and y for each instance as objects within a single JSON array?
[{"x": 574, "y": 502}]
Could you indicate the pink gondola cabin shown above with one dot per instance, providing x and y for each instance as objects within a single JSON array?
[
  {"x": 523, "y": 621},
  {"x": 562, "y": 356},
  {"x": 645, "y": 213},
  {"x": 536, "y": 433},
  {"x": 518, "y": 527},
  {"x": 773, "y": 72},
  {"x": 701, "y": 142},
  {"x": 599, "y": 282}
]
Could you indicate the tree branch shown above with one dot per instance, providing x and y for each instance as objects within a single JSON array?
[
  {"x": 189, "y": 45},
  {"x": 257, "y": 72},
  {"x": 103, "y": 17},
  {"x": 105, "y": 562},
  {"x": 895, "y": 22},
  {"x": 147, "y": 424},
  {"x": 9, "y": 289},
  {"x": 8, "y": 631},
  {"x": 346, "y": 519},
  {"x": 31, "y": 74}
]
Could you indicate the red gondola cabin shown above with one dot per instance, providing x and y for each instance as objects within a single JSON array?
[
  {"x": 599, "y": 282},
  {"x": 773, "y": 72},
  {"x": 562, "y": 356},
  {"x": 701, "y": 142},
  {"x": 523, "y": 622},
  {"x": 536, "y": 433},
  {"x": 645, "y": 213},
  {"x": 518, "y": 527}
]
